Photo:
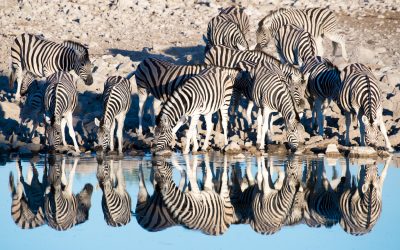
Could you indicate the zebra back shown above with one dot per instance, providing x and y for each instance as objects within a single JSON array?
[
  {"x": 116, "y": 98},
  {"x": 80, "y": 50},
  {"x": 237, "y": 15}
]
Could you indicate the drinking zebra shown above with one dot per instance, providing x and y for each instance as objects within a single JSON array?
[
  {"x": 294, "y": 45},
  {"x": 115, "y": 202},
  {"x": 116, "y": 103},
  {"x": 270, "y": 92},
  {"x": 42, "y": 58},
  {"x": 160, "y": 78},
  {"x": 322, "y": 87},
  {"x": 221, "y": 31},
  {"x": 151, "y": 211},
  {"x": 237, "y": 15},
  {"x": 27, "y": 208},
  {"x": 203, "y": 94},
  {"x": 361, "y": 203},
  {"x": 319, "y": 22},
  {"x": 63, "y": 209},
  {"x": 360, "y": 95},
  {"x": 60, "y": 101},
  {"x": 205, "y": 210}
]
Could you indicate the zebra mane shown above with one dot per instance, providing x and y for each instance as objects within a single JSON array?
[{"x": 77, "y": 47}]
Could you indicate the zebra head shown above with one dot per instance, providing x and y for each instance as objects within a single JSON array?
[
  {"x": 241, "y": 43},
  {"x": 162, "y": 171},
  {"x": 53, "y": 133},
  {"x": 84, "y": 203},
  {"x": 370, "y": 180},
  {"x": 163, "y": 134},
  {"x": 103, "y": 134},
  {"x": 82, "y": 64},
  {"x": 371, "y": 131},
  {"x": 28, "y": 82},
  {"x": 54, "y": 175},
  {"x": 293, "y": 173},
  {"x": 292, "y": 136}
]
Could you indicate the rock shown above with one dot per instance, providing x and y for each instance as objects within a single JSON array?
[
  {"x": 314, "y": 140},
  {"x": 233, "y": 148},
  {"x": 239, "y": 156},
  {"x": 35, "y": 148},
  {"x": 359, "y": 152},
  {"x": 332, "y": 151}
]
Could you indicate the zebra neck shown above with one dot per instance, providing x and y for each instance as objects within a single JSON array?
[
  {"x": 368, "y": 203},
  {"x": 173, "y": 110}
]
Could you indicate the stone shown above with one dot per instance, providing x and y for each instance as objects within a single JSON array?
[
  {"x": 332, "y": 151},
  {"x": 359, "y": 152},
  {"x": 239, "y": 156}
]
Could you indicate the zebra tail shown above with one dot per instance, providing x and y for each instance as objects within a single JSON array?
[{"x": 12, "y": 79}]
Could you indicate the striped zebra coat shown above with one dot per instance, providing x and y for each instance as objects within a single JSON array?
[
  {"x": 203, "y": 94},
  {"x": 237, "y": 15},
  {"x": 63, "y": 209},
  {"x": 27, "y": 203},
  {"x": 360, "y": 95},
  {"x": 42, "y": 58},
  {"x": 319, "y": 22},
  {"x": 160, "y": 78},
  {"x": 361, "y": 204},
  {"x": 116, "y": 103},
  {"x": 270, "y": 92},
  {"x": 205, "y": 210},
  {"x": 60, "y": 101},
  {"x": 116, "y": 201}
]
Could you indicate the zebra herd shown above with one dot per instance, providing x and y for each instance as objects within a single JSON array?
[
  {"x": 230, "y": 70},
  {"x": 298, "y": 193}
]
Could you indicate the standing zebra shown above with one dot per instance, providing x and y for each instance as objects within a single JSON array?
[
  {"x": 205, "y": 210},
  {"x": 270, "y": 92},
  {"x": 115, "y": 202},
  {"x": 203, "y": 94},
  {"x": 323, "y": 86},
  {"x": 360, "y": 95},
  {"x": 27, "y": 198},
  {"x": 237, "y": 15},
  {"x": 221, "y": 31},
  {"x": 116, "y": 103},
  {"x": 319, "y": 22},
  {"x": 361, "y": 205},
  {"x": 160, "y": 78},
  {"x": 43, "y": 58},
  {"x": 151, "y": 211},
  {"x": 294, "y": 45},
  {"x": 63, "y": 209},
  {"x": 60, "y": 101},
  {"x": 270, "y": 207}
]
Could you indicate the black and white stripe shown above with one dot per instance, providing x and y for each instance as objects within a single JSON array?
[
  {"x": 319, "y": 22},
  {"x": 360, "y": 95},
  {"x": 322, "y": 87},
  {"x": 43, "y": 58},
  {"x": 116, "y": 103},
  {"x": 60, "y": 101},
  {"x": 237, "y": 15},
  {"x": 160, "y": 78},
  {"x": 203, "y": 94}
]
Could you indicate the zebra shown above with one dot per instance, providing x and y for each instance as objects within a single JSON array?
[
  {"x": 27, "y": 203},
  {"x": 319, "y": 22},
  {"x": 60, "y": 100},
  {"x": 322, "y": 87},
  {"x": 205, "y": 210},
  {"x": 360, "y": 95},
  {"x": 270, "y": 207},
  {"x": 269, "y": 84},
  {"x": 227, "y": 57},
  {"x": 222, "y": 31},
  {"x": 236, "y": 15},
  {"x": 160, "y": 78},
  {"x": 294, "y": 45},
  {"x": 43, "y": 57},
  {"x": 361, "y": 204},
  {"x": 203, "y": 94},
  {"x": 151, "y": 212},
  {"x": 116, "y": 201},
  {"x": 116, "y": 103},
  {"x": 63, "y": 209}
]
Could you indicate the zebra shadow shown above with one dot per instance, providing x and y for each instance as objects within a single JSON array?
[{"x": 7, "y": 127}]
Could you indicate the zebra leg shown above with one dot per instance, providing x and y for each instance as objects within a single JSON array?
[
  {"x": 29, "y": 175},
  {"x": 191, "y": 170},
  {"x": 270, "y": 126},
  {"x": 320, "y": 116},
  {"x": 248, "y": 113},
  {"x": 362, "y": 129},
  {"x": 120, "y": 178},
  {"x": 112, "y": 135},
  {"x": 249, "y": 173},
  {"x": 142, "y": 93},
  {"x": 208, "y": 184},
  {"x": 209, "y": 126},
  {"x": 120, "y": 119},
  {"x": 19, "y": 83},
  {"x": 155, "y": 110},
  {"x": 259, "y": 128},
  {"x": 63, "y": 177},
  {"x": 63, "y": 124},
  {"x": 265, "y": 126},
  {"x": 191, "y": 131},
  {"x": 384, "y": 132},
  {"x": 348, "y": 123},
  {"x": 143, "y": 194},
  {"x": 384, "y": 172},
  {"x": 72, "y": 132},
  {"x": 71, "y": 176},
  {"x": 320, "y": 47},
  {"x": 224, "y": 118},
  {"x": 336, "y": 38}
]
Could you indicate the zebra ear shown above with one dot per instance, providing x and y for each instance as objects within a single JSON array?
[
  {"x": 305, "y": 77},
  {"x": 364, "y": 188},
  {"x": 97, "y": 122},
  {"x": 253, "y": 47},
  {"x": 47, "y": 119},
  {"x": 364, "y": 119},
  {"x": 241, "y": 47}
]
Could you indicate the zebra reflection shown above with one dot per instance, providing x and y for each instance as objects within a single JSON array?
[
  {"x": 204, "y": 210},
  {"x": 28, "y": 197},
  {"x": 151, "y": 211},
  {"x": 115, "y": 202},
  {"x": 361, "y": 202},
  {"x": 63, "y": 209}
]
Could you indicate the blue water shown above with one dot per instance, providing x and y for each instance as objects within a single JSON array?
[{"x": 95, "y": 233}]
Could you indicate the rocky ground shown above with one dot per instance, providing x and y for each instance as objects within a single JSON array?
[{"x": 122, "y": 33}]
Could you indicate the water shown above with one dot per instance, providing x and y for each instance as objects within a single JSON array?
[{"x": 95, "y": 233}]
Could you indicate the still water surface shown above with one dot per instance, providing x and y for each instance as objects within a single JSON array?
[{"x": 97, "y": 232}]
